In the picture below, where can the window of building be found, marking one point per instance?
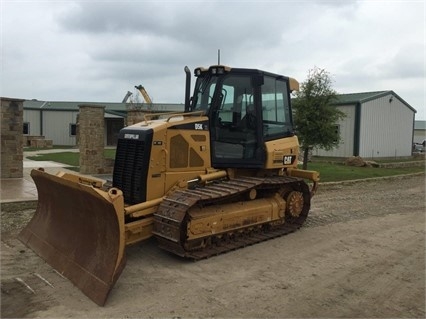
(73, 129)
(336, 133)
(26, 128)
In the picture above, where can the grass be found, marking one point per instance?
(339, 160)
(329, 172)
(69, 158)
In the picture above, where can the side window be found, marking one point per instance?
(73, 129)
(336, 133)
(26, 128)
(236, 99)
(205, 90)
(227, 104)
(276, 109)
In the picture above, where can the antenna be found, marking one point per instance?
(218, 57)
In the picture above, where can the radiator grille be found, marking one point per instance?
(130, 169)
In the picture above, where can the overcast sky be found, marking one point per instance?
(96, 51)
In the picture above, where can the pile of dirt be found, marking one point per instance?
(359, 162)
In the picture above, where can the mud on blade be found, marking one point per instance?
(78, 230)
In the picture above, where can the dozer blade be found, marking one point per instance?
(78, 230)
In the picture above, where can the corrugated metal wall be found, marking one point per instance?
(386, 128)
(419, 136)
(33, 118)
(347, 128)
(56, 118)
(56, 126)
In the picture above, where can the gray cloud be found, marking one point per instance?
(407, 63)
(97, 50)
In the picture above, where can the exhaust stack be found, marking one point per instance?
(187, 90)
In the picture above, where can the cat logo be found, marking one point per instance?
(288, 159)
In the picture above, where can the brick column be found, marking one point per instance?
(91, 139)
(134, 116)
(12, 154)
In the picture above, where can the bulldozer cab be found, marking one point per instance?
(246, 108)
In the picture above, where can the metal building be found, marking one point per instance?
(419, 131)
(377, 125)
(57, 121)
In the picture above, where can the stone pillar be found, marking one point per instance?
(12, 153)
(134, 116)
(77, 130)
(91, 139)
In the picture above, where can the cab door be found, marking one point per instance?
(236, 123)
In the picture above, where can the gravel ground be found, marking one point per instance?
(361, 253)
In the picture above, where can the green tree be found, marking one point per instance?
(315, 116)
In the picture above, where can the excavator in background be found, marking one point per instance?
(144, 94)
(219, 176)
(126, 97)
(142, 90)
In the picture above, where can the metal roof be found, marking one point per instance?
(420, 125)
(353, 98)
(121, 108)
(111, 108)
(362, 97)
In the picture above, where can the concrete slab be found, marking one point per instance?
(37, 164)
(17, 190)
(24, 189)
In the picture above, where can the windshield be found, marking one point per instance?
(203, 95)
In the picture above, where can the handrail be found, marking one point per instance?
(148, 117)
(200, 113)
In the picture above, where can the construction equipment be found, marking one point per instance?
(144, 94)
(126, 97)
(218, 176)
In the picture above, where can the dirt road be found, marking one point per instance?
(361, 254)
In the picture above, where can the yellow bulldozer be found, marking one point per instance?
(219, 176)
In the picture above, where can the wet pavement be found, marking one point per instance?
(17, 190)
(24, 189)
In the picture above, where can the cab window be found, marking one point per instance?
(234, 122)
(276, 109)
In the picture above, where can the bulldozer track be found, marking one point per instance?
(171, 217)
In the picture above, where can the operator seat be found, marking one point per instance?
(249, 121)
